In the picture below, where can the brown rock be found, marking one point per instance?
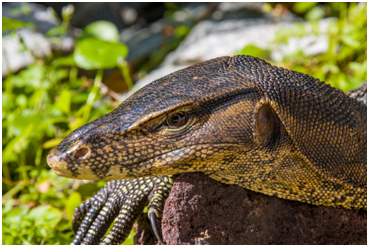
(200, 210)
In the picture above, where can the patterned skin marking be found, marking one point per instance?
(241, 121)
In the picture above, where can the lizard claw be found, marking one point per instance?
(116, 200)
(122, 201)
(157, 197)
(153, 216)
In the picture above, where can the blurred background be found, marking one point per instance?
(66, 64)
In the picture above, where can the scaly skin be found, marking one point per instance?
(122, 200)
(264, 128)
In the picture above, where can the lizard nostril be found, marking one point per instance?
(81, 152)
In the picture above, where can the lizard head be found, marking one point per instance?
(196, 119)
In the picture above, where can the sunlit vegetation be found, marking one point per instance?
(48, 99)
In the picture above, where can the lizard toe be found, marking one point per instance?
(153, 221)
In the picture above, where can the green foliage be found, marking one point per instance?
(27, 226)
(182, 31)
(253, 50)
(50, 98)
(42, 104)
(99, 48)
(344, 65)
(38, 217)
(94, 53)
(11, 24)
(312, 10)
(103, 30)
(303, 7)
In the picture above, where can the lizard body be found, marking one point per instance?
(238, 120)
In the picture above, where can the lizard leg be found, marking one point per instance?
(122, 200)
(133, 206)
(88, 211)
(160, 193)
(117, 197)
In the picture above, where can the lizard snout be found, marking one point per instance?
(65, 163)
(56, 162)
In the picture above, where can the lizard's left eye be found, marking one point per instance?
(177, 119)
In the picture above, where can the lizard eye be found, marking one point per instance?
(177, 119)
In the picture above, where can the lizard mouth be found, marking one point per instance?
(168, 163)
(58, 166)
(63, 173)
(162, 164)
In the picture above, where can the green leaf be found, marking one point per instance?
(12, 24)
(21, 100)
(353, 83)
(27, 117)
(330, 68)
(23, 168)
(303, 7)
(350, 41)
(46, 216)
(359, 69)
(103, 30)
(93, 53)
(130, 238)
(15, 145)
(14, 218)
(64, 61)
(73, 201)
(182, 31)
(64, 101)
(31, 76)
(56, 31)
(7, 101)
(316, 13)
(51, 143)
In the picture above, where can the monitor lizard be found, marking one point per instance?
(239, 120)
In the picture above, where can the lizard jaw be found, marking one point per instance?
(59, 166)
(56, 162)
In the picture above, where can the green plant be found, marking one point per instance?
(53, 96)
(41, 105)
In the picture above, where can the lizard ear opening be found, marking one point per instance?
(265, 122)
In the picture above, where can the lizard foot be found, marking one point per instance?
(122, 201)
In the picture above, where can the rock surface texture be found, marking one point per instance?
(200, 210)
